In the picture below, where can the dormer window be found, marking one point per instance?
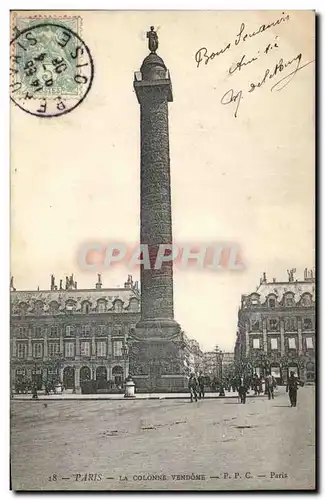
(54, 306)
(272, 302)
(118, 306)
(254, 300)
(38, 307)
(101, 306)
(134, 304)
(70, 305)
(85, 307)
(306, 300)
(289, 300)
(23, 308)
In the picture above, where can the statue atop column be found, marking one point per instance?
(152, 39)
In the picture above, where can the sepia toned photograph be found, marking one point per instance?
(163, 280)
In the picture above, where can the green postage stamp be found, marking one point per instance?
(51, 68)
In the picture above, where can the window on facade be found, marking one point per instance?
(70, 305)
(118, 306)
(309, 343)
(53, 349)
(37, 331)
(54, 331)
(101, 329)
(255, 325)
(273, 324)
(274, 344)
(306, 300)
(69, 350)
(23, 330)
(101, 306)
(289, 301)
(117, 348)
(68, 330)
(85, 308)
(38, 307)
(292, 343)
(134, 306)
(85, 329)
(307, 324)
(37, 350)
(101, 349)
(54, 306)
(85, 348)
(290, 324)
(23, 308)
(271, 302)
(256, 343)
(21, 350)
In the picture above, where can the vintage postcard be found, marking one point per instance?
(162, 323)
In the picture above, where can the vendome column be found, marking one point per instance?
(158, 362)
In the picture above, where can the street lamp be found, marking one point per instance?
(219, 358)
(125, 352)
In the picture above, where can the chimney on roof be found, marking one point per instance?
(305, 274)
(99, 282)
(129, 282)
(52, 282)
(264, 278)
(75, 285)
(12, 287)
(61, 286)
(274, 280)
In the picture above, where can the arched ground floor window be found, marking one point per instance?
(85, 373)
(117, 374)
(310, 372)
(68, 377)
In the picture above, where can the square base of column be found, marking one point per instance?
(157, 360)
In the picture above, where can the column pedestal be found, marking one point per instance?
(156, 361)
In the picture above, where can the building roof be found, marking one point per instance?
(298, 288)
(76, 296)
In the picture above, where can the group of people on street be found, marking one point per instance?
(196, 387)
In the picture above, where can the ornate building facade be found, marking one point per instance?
(77, 335)
(276, 327)
(73, 334)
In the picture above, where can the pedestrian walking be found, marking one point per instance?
(242, 391)
(269, 385)
(292, 388)
(193, 386)
(34, 392)
(201, 382)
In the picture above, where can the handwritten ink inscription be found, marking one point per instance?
(277, 72)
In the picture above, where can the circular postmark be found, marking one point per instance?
(51, 70)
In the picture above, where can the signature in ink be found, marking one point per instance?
(280, 66)
(232, 96)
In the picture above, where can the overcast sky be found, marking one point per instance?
(249, 179)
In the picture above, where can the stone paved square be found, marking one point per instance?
(225, 445)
